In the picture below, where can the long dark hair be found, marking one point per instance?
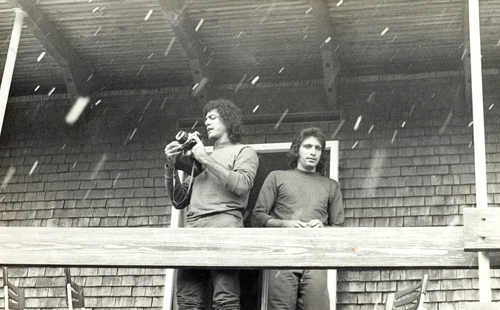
(230, 115)
(293, 154)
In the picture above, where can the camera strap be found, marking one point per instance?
(188, 192)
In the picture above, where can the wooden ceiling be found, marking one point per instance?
(93, 45)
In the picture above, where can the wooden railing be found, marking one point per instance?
(335, 248)
(482, 233)
(482, 229)
(416, 247)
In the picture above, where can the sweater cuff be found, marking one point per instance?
(169, 171)
(261, 219)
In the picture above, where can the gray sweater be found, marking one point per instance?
(211, 196)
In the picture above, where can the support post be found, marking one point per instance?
(479, 140)
(177, 219)
(5, 288)
(466, 56)
(10, 63)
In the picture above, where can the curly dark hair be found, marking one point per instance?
(293, 154)
(230, 115)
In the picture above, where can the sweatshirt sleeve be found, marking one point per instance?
(265, 202)
(178, 194)
(240, 179)
(336, 214)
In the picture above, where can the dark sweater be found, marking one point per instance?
(299, 195)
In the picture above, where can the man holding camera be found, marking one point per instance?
(217, 198)
(300, 198)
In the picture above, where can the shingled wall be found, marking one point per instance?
(406, 159)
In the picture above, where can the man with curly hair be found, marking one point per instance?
(300, 198)
(218, 198)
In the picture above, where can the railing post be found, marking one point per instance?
(5, 288)
(176, 221)
(479, 140)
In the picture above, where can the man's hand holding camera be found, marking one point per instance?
(198, 150)
(190, 144)
(171, 151)
(185, 142)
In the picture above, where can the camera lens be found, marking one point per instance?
(181, 137)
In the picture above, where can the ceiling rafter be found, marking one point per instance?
(328, 44)
(78, 76)
(197, 52)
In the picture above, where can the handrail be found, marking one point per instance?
(389, 247)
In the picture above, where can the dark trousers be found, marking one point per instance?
(192, 284)
(298, 289)
(192, 287)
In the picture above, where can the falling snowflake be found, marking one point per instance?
(199, 25)
(97, 31)
(281, 119)
(169, 46)
(338, 128)
(240, 83)
(358, 122)
(33, 167)
(148, 15)
(199, 86)
(394, 136)
(8, 176)
(77, 109)
(42, 54)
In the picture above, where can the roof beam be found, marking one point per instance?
(193, 45)
(10, 63)
(328, 43)
(75, 72)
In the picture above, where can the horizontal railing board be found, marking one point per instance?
(482, 229)
(413, 247)
(479, 306)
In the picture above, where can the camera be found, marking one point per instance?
(185, 161)
(186, 139)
